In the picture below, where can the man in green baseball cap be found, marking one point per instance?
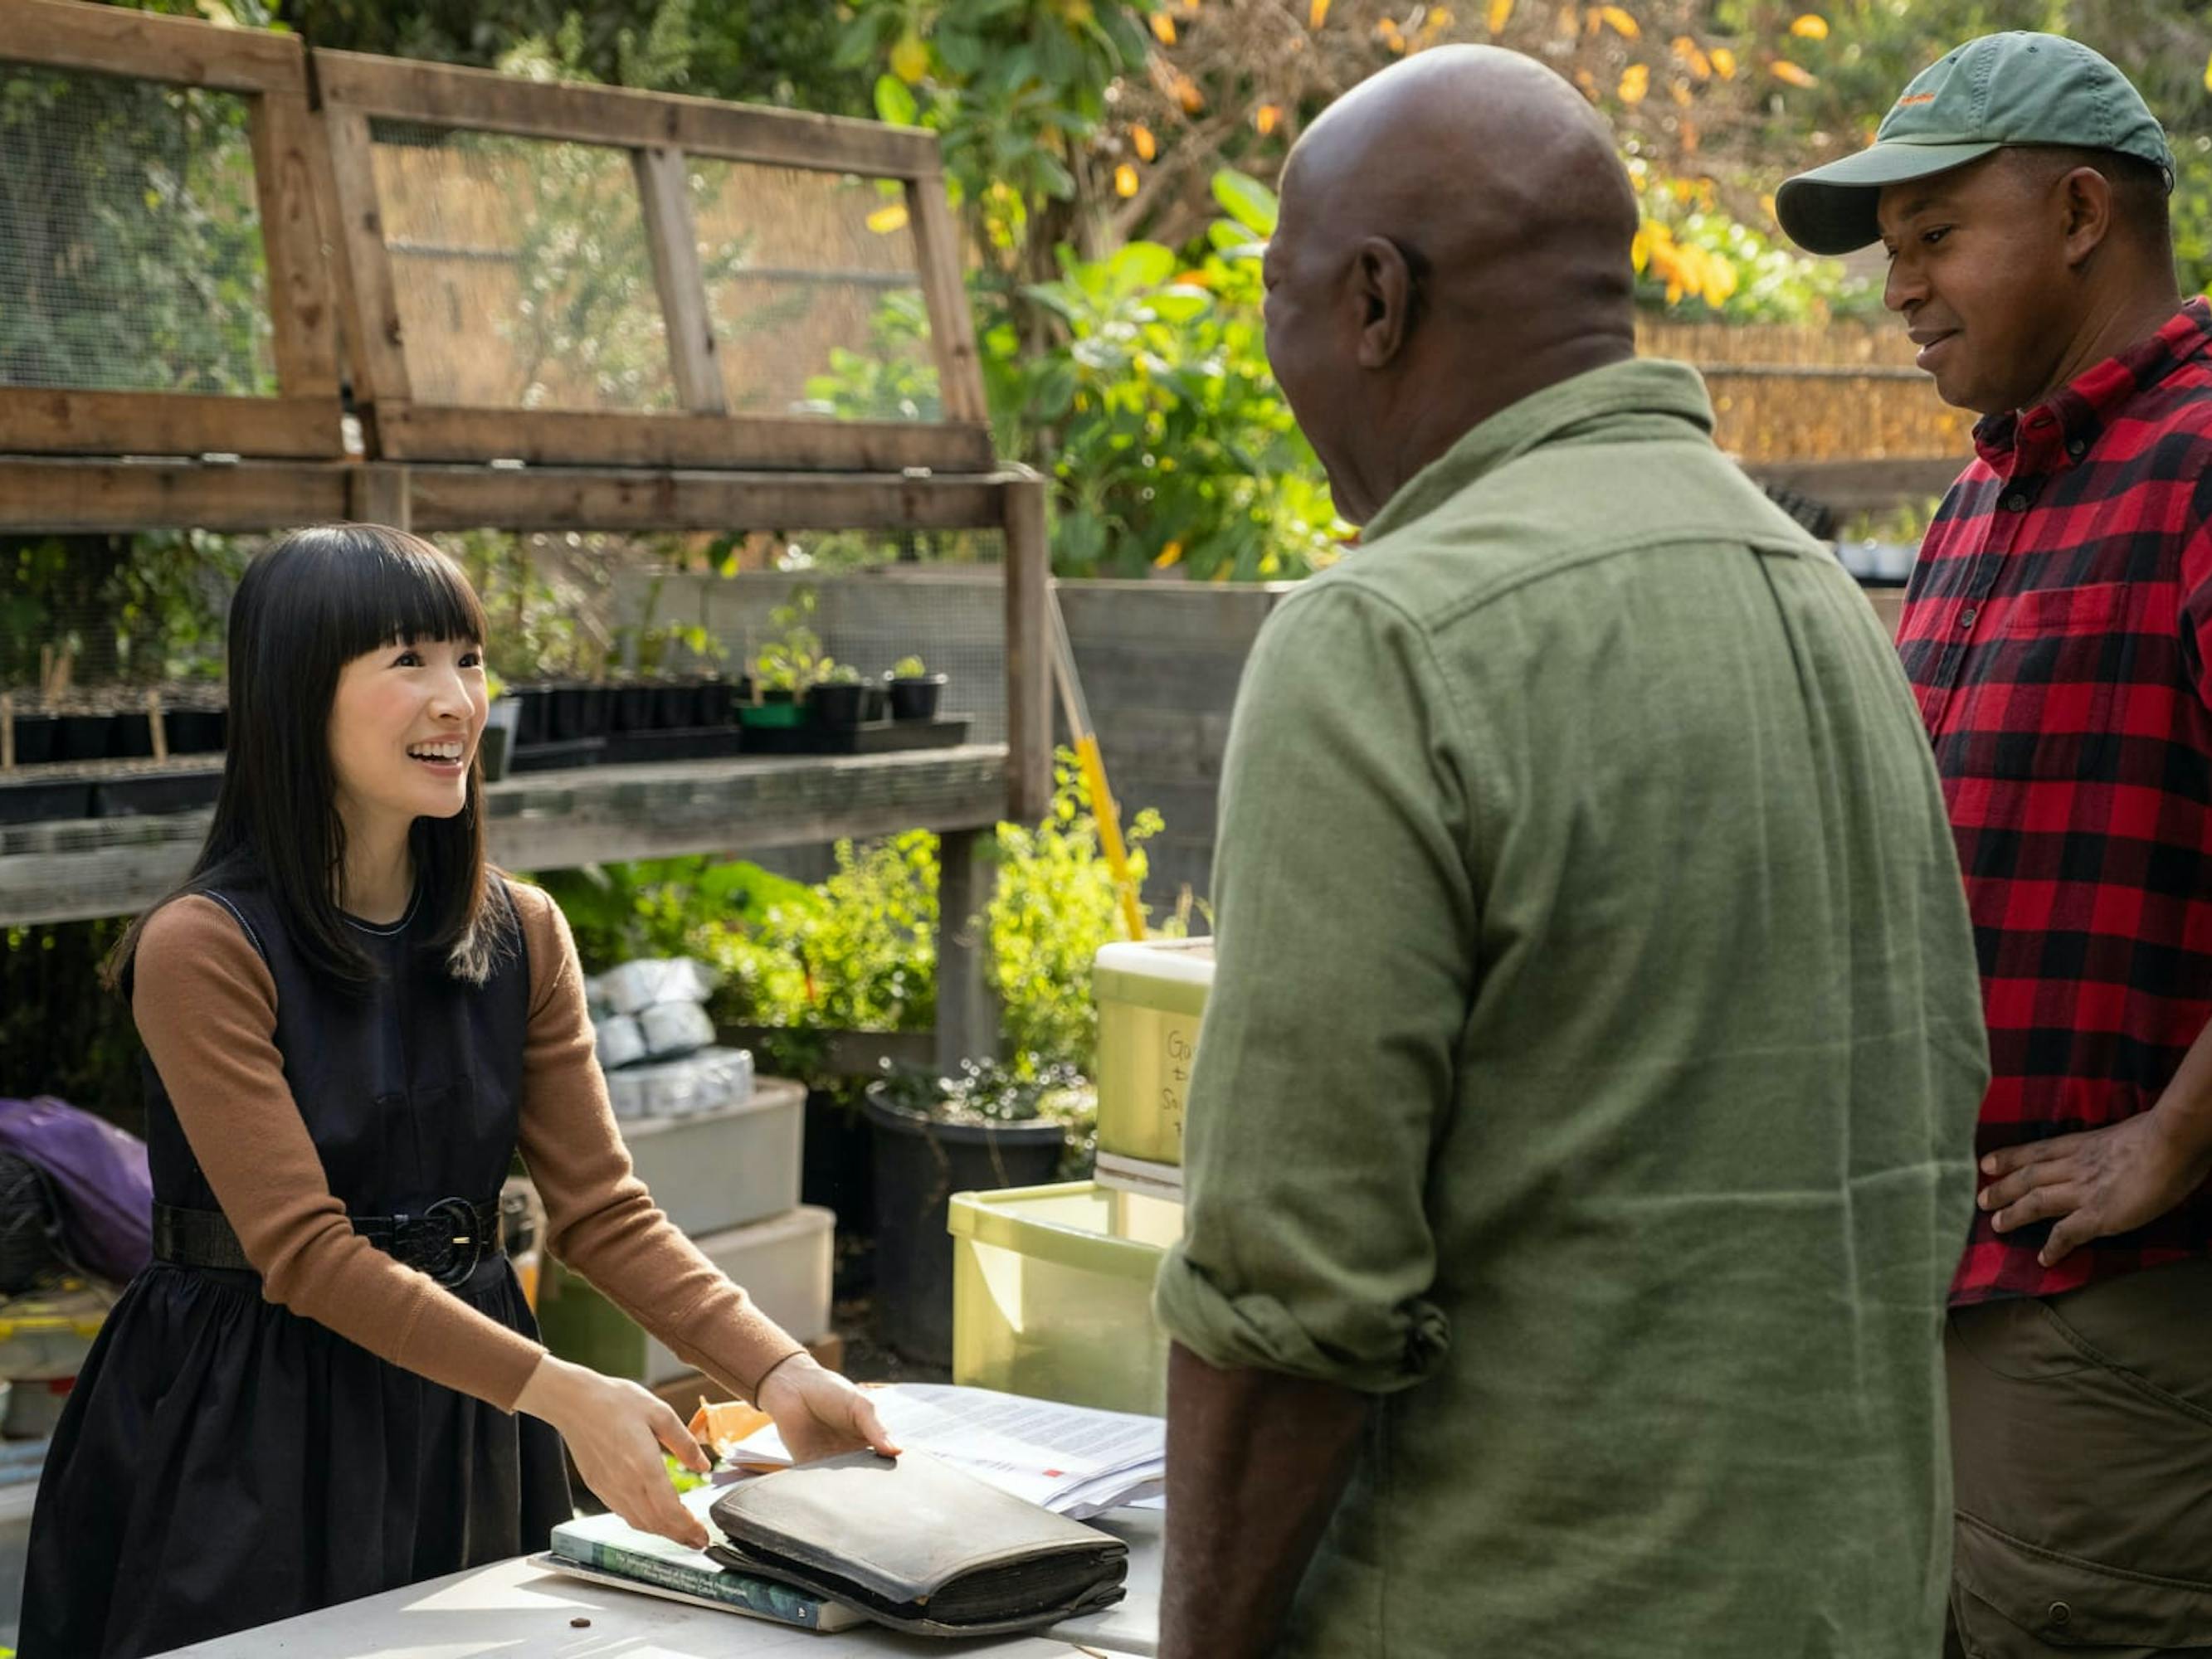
(2002, 90)
(2057, 634)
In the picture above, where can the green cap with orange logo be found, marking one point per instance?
(2003, 89)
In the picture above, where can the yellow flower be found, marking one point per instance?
(1501, 12)
(886, 220)
(1163, 28)
(1786, 70)
(1810, 28)
(1691, 53)
(1618, 21)
(1265, 118)
(910, 58)
(1635, 81)
(1173, 551)
(1125, 180)
(1723, 62)
(1316, 15)
(1140, 136)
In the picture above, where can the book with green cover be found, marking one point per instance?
(605, 1548)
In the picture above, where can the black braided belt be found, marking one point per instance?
(447, 1240)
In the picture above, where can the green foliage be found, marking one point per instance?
(894, 379)
(909, 668)
(1054, 905)
(1698, 265)
(858, 951)
(1169, 443)
(793, 660)
(1015, 89)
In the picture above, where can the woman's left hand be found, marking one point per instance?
(818, 1413)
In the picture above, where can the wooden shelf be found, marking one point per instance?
(84, 868)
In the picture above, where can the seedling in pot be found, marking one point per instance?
(915, 692)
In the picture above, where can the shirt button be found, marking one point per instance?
(2017, 501)
(2078, 448)
(1967, 617)
(2060, 1613)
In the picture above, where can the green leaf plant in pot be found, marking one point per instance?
(992, 1126)
(786, 668)
(915, 692)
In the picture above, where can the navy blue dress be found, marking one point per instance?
(224, 1462)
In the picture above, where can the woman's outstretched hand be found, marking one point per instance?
(818, 1413)
(616, 1432)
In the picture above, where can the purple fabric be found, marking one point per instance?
(99, 1172)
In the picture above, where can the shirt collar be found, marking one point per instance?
(2059, 431)
(1667, 396)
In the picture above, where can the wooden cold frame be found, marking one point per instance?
(661, 132)
(270, 72)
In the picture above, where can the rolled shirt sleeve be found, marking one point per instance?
(1345, 966)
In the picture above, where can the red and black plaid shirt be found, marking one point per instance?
(2058, 633)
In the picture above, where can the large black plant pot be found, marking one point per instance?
(919, 1164)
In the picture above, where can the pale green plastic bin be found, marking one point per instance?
(1052, 1294)
(1152, 997)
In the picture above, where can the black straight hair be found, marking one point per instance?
(306, 607)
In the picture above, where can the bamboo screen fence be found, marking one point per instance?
(1839, 391)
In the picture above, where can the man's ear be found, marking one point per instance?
(1382, 288)
(2084, 203)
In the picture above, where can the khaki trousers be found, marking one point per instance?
(2081, 1444)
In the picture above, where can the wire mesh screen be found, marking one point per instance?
(952, 614)
(130, 255)
(522, 271)
(814, 289)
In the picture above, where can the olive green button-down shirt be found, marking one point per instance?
(1591, 1068)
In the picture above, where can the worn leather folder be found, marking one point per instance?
(918, 1545)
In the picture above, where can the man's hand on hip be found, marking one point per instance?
(2098, 1183)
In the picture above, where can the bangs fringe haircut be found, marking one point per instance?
(306, 607)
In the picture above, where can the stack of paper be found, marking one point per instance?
(1072, 1459)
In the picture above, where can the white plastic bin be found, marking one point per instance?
(783, 1263)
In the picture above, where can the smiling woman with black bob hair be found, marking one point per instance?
(328, 1383)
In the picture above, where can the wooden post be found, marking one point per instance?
(674, 241)
(378, 494)
(373, 332)
(303, 301)
(1028, 652)
(945, 291)
(967, 1012)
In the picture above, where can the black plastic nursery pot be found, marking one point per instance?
(917, 699)
(632, 706)
(35, 739)
(193, 731)
(535, 708)
(710, 702)
(674, 704)
(919, 1163)
(839, 706)
(130, 735)
(81, 737)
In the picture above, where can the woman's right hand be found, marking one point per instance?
(615, 1432)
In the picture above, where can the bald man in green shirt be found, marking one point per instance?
(1580, 1141)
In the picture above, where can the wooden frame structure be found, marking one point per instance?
(81, 461)
(270, 71)
(661, 134)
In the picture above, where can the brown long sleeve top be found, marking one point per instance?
(206, 1006)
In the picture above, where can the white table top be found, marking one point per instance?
(513, 1609)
